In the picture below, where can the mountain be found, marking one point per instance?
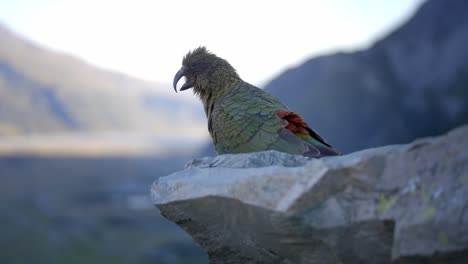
(43, 92)
(412, 83)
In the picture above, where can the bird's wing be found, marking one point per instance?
(249, 119)
(295, 124)
(294, 127)
(246, 122)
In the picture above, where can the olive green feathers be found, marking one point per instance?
(241, 117)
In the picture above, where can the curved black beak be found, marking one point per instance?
(177, 77)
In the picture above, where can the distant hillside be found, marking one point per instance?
(410, 84)
(42, 91)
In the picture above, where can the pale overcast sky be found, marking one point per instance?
(147, 39)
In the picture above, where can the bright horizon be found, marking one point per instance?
(147, 39)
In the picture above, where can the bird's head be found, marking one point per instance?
(204, 72)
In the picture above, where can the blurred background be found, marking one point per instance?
(88, 117)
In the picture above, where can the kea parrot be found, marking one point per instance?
(241, 117)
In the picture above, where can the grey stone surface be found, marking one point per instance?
(394, 204)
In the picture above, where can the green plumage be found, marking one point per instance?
(241, 117)
(244, 121)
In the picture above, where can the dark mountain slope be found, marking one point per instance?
(410, 84)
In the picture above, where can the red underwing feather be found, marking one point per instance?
(296, 124)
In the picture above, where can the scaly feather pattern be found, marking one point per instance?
(243, 118)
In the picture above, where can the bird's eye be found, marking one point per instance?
(193, 65)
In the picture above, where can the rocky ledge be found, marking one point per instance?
(394, 204)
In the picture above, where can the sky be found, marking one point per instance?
(147, 39)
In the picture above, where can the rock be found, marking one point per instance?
(394, 204)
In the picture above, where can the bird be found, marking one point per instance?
(241, 117)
